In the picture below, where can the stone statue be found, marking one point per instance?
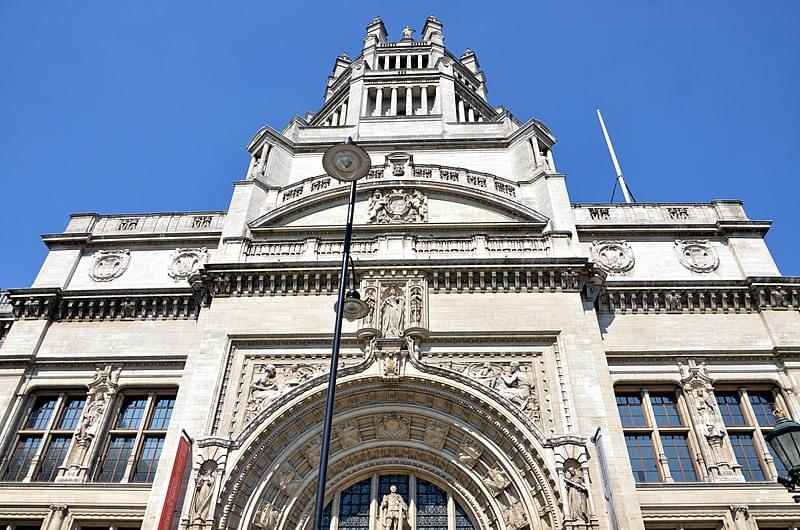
(267, 517)
(419, 206)
(203, 491)
(263, 390)
(393, 313)
(349, 434)
(514, 385)
(377, 208)
(394, 510)
(514, 515)
(408, 33)
(298, 374)
(370, 301)
(496, 481)
(90, 422)
(706, 411)
(577, 492)
(415, 307)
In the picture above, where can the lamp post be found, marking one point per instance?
(785, 442)
(345, 162)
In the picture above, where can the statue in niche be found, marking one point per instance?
(514, 385)
(706, 410)
(415, 307)
(514, 514)
(369, 318)
(577, 492)
(263, 390)
(90, 422)
(267, 517)
(203, 491)
(394, 510)
(393, 312)
(496, 481)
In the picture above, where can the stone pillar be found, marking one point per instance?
(461, 115)
(471, 114)
(378, 102)
(408, 61)
(365, 103)
(423, 95)
(343, 113)
(437, 104)
(409, 98)
(57, 514)
(387, 58)
(393, 103)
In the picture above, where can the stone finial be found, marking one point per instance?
(408, 32)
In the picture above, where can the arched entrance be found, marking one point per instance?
(439, 433)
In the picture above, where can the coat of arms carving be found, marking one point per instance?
(613, 256)
(697, 255)
(109, 264)
(186, 261)
(398, 206)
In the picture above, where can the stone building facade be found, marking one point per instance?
(527, 363)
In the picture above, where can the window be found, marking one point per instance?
(654, 422)
(45, 436)
(136, 438)
(748, 415)
(429, 505)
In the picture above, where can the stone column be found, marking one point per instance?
(471, 114)
(343, 113)
(393, 103)
(365, 103)
(57, 514)
(378, 102)
(437, 104)
(461, 116)
(409, 98)
(388, 59)
(408, 61)
(423, 95)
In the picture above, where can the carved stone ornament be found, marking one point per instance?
(268, 384)
(613, 256)
(312, 450)
(496, 481)
(697, 255)
(288, 479)
(469, 452)
(514, 514)
(349, 434)
(510, 381)
(186, 261)
(203, 491)
(398, 206)
(435, 434)
(393, 426)
(267, 517)
(109, 264)
(577, 492)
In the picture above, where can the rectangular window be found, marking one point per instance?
(630, 410)
(763, 404)
(162, 413)
(679, 458)
(130, 415)
(53, 458)
(40, 415)
(119, 450)
(643, 460)
(747, 456)
(730, 409)
(148, 461)
(665, 409)
(21, 457)
(72, 413)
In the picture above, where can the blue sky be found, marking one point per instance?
(147, 106)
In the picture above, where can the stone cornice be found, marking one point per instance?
(720, 228)
(779, 293)
(104, 305)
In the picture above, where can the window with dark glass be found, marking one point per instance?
(431, 506)
(44, 437)
(654, 423)
(134, 444)
(747, 456)
(354, 506)
(730, 409)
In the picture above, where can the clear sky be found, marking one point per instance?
(146, 106)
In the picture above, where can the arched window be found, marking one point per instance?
(429, 506)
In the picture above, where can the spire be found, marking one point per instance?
(432, 30)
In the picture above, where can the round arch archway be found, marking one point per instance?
(446, 429)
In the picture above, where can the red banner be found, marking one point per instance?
(173, 495)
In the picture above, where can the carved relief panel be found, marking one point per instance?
(398, 306)
(109, 264)
(397, 206)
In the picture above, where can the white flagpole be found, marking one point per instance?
(620, 178)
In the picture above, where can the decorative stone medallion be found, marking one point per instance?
(109, 264)
(186, 261)
(398, 206)
(697, 255)
(613, 256)
(393, 427)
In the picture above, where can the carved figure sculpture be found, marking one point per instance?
(349, 434)
(394, 510)
(369, 318)
(435, 434)
(288, 479)
(377, 208)
(514, 515)
(90, 421)
(203, 491)
(263, 390)
(398, 206)
(267, 517)
(393, 312)
(469, 452)
(496, 481)
(577, 492)
(672, 300)
(514, 385)
(415, 307)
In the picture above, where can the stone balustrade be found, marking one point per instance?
(149, 223)
(647, 214)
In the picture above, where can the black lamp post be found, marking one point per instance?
(785, 442)
(345, 162)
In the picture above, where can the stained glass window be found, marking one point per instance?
(431, 506)
(354, 506)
